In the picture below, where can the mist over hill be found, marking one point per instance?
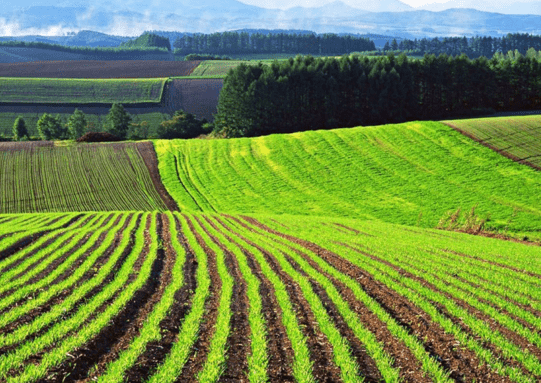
(132, 17)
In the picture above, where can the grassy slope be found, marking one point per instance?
(410, 173)
(75, 178)
(516, 136)
(80, 91)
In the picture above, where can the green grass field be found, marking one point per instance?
(80, 91)
(516, 136)
(411, 173)
(215, 68)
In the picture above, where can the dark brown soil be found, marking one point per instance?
(195, 362)
(137, 310)
(57, 262)
(94, 352)
(29, 317)
(147, 152)
(461, 362)
(366, 364)
(238, 342)
(459, 322)
(98, 69)
(29, 146)
(157, 351)
(279, 347)
(321, 352)
(495, 326)
(236, 369)
(27, 241)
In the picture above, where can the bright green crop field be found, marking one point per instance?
(518, 136)
(307, 257)
(411, 173)
(80, 91)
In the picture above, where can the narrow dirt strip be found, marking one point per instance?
(236, 369)
(279, 345)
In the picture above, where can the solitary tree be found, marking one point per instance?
(50, 127)
(118, 121)
(19, 129)
(77, 124)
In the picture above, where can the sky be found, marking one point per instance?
(284, 4)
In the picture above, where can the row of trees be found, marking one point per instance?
(324, 93)
(101, 52)
(238, 43)
(118, 123)
(473, 47)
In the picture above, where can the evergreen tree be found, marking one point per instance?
(77, 124)
(118, 121)
(19, 129)
(50, 128)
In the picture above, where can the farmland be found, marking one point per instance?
(165, 297)
(515, 137)
(39, 177)
(81, 91)
(98, 69)
(410, 173)
(307, 257)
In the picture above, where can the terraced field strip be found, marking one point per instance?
(80, 91)
(85, 177)
(412, 173)
(216, 68)
(515, 137)
(166, 297)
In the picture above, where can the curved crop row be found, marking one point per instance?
(334, 294)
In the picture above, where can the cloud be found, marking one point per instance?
(13, 28)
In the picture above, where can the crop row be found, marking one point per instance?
(76, 178)
(172, 297)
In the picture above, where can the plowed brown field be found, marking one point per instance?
(99, 69)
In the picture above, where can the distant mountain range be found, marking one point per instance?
(132, 17)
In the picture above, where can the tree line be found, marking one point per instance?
(238, 43)
(118, 123)
(473, 47)
(101, 52)
(308, 93)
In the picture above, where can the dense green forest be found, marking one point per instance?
(473, 47)
(308, 93)
(235, 43)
